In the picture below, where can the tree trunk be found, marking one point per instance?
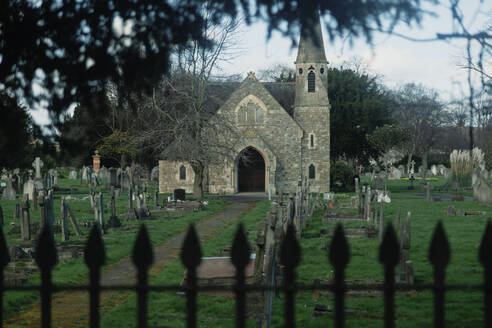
(199, 170)
(424, 160)
(123, 161)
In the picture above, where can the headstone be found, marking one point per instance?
(125, 181)
(9, 191)
(112, 177)
(29, 189)
(37, 164)
(451, 211)
(65, 234)
(25, 219)
(379, 182)
(72, 175)
(434, 170)
(179, 194)
(113, 221)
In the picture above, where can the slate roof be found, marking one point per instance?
(283, 92)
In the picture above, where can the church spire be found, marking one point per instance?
(311, 47)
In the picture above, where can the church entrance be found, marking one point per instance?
(251, 171)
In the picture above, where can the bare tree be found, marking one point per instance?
(422, 113)
(182, 124)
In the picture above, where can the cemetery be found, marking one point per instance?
(71, 206)
(154, 173)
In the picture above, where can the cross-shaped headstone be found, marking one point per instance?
(37, 164)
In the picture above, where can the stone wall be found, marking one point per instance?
(169, 177)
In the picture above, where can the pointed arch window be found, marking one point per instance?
(182, 172)
(312, 172)
(311, 82)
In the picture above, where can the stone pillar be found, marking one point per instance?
(368, 203)
(42, 212)
(96, 161)
(101, 209)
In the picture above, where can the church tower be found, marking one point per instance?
(312, 107)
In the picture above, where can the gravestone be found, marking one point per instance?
(113, 221)
(72, 175)
(29, 189)
(37, 164)
(101, 211)
(434, 170)
(112, 177)
(482, 187)
(65, 234)
(9, 191)
(125, 181)
(451, 211)
(379, 182)
(25, 219)
(179, 194)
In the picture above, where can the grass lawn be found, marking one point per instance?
(413, 309)
(118, 242)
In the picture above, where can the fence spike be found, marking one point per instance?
(485, 257)
(142, 257)
(389, 252)
(290, 251)
(339, 255)
(94, 256)
(191, 256)
(240, 254)
(240, 257)
(389, 256)
(46, 256)
(339, 249)
(46, 259)
(439, 252)
(290, 256)
(439, 255)
(485, 251)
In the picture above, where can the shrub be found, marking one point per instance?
(342, 177)
(462, 165)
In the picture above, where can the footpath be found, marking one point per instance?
(71, 309)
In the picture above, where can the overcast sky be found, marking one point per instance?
(434, 64)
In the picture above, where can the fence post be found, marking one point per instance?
(240, 257)
(485, 257)
(290, 256)
(94, 256)
(389, 256)
(142, 258)
(46, 260)
(439, 255)
(4, 260)
(191, 256)
(339, 256)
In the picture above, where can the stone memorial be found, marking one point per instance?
(29, 189)
(72, 175)
(8, 192)
(25, 223)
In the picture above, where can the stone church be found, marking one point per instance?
(284, 129)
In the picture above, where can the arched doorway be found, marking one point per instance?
(251, 171)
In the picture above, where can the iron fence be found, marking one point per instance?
(290, 255)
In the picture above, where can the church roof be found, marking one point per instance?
(311, 48)
(283, 92)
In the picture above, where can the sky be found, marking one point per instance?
(397, 60)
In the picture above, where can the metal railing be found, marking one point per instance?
(290, 255)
